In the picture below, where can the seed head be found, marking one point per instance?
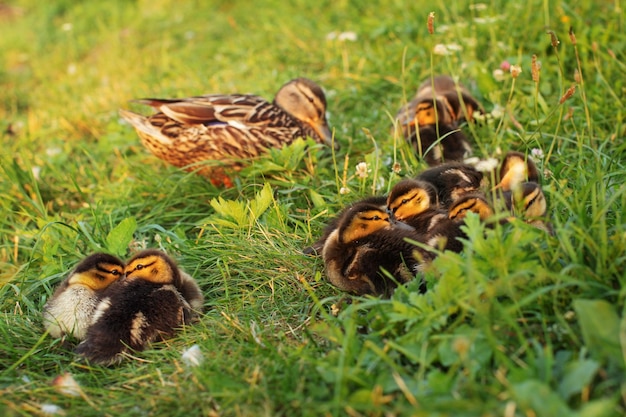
(553, 39)
(572, 36)
(570, 92)
(431, 23)
(535, 68)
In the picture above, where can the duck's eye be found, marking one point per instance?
(405, 200)
(115, 272)
(376, 218)
(138, 267)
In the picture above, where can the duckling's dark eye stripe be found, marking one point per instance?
(532, 200)
(105, 270)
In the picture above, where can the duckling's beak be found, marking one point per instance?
(396, 224)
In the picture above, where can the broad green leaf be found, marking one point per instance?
(262, 201)
(601, 329)
(536, 396)
(121, 235)
(577, 376)
(317, 199)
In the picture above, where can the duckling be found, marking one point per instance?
(364, 243)
(439, 143)
(70, 310)
(437, 102)
(144, 307)
(415, 203)
(470, 202)
(316, 248)
(190, 290)
(229, 129)
(515, 169)
(452, 180)
(527, 201)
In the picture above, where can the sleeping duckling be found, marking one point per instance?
(528, 202)
(144, 307)
(365, 242)
(440, 143)
(515, 169)
(316, 248)
(475, 202)
(414, 202)
(452, 180)
(437, 102)
(70, 310)
(228, 129)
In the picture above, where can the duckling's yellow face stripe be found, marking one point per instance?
(535, 204)
(411, 203)
(364, 224)
(475, 205)
(516, 172)
(150, 268)
(99, 277)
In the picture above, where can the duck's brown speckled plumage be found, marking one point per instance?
(217, 130)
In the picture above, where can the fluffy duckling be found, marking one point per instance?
(414, 202)
(452, 180)
(191, 292)
(228, 129)
(475, 202)
(144, 307)
(365, 242)
(70, 310)
(528, 202)
(440, 143)
(439, 100)
(516, 169)
(316, 248)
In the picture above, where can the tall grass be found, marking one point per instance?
(519, 324)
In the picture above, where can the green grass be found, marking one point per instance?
(520, 324)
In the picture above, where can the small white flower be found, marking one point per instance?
(71, 69)
(478, 6)
(361, 170)
(498, 74)
(440, 49)
(344, 190)
(487, 165)
(66, 27)
(51, 409)
(36, 170)
(347, 36)
(67, 385)
(454, 47)
(331, 36)
(53, 151)
(536, 153)
(516, 70)
(193, 356)
(472, 160)
(497, 112)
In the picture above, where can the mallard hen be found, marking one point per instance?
(230, 129)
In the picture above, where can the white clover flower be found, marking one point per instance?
(478, 6)
(498, 74)
(440, 49)
(497, 112)
(347, 36)
(454, 47)
(331, 36)
(361, 170)
(36, 170)
(51, 410)
(67, 27)
(344, 190)
(71, 69)
(193, 356)
(53, 151)
(536, 153)
(487, 165)
(516, 70)
(67, 385)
